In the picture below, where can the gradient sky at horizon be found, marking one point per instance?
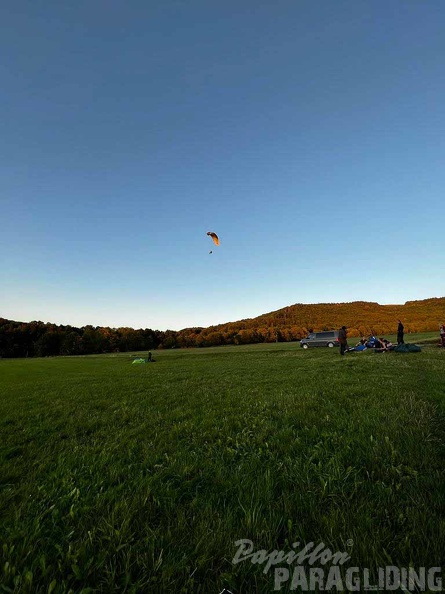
(310, 135)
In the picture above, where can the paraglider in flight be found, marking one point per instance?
(214, 236)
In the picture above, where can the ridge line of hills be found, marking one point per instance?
(294, 321)
(28, 339)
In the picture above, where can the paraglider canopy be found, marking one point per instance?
(214, 236)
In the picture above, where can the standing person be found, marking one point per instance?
(442, 334)
(342, 339)
(400, 333)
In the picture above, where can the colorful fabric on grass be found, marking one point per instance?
(407, 348)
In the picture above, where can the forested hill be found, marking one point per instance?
(21, 339)
(295, 321)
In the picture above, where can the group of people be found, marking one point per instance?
(378, 344)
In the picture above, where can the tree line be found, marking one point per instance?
(39, 339)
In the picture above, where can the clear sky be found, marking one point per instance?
(310, 135)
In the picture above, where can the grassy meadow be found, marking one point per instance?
(140, 478)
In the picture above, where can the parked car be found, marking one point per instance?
(320, 339)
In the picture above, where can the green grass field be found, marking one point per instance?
(140, 478)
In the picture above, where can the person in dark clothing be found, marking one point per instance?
(342, 339)
(400, 333)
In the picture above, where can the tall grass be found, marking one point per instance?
(140, 478)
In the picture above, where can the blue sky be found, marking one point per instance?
(310, 135)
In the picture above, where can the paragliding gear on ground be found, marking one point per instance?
(137, 361)
(373, 342)
(407, 348)
(360, 347)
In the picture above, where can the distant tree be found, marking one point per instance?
(71, 344)
(48, 345)
(169, 340)
(92, 341)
